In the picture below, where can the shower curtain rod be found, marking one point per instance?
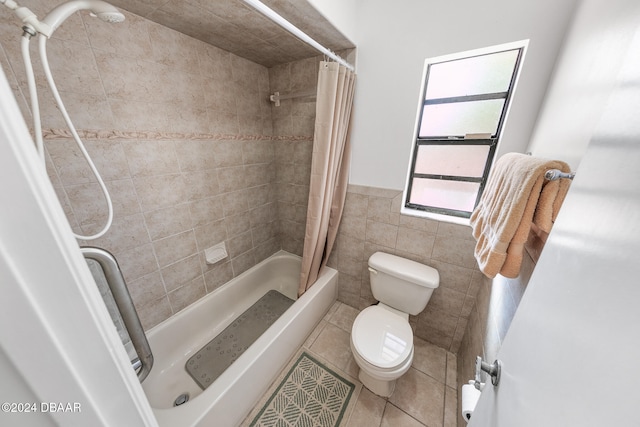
(275, 17)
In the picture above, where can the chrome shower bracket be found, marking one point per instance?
(493, 370)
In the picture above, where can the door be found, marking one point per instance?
(572, 354)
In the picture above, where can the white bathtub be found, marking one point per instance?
(232, 396)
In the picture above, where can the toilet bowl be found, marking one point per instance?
(381, 337)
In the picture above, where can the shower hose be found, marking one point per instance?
(37, 126)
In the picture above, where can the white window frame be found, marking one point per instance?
(522, 45)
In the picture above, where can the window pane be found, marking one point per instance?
(452, 160)
(461, 118)
(472, 76)
(456, 195)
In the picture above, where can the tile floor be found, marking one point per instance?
(424, 396)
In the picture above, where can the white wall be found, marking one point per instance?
(583, 80)
(393, 40)
(343, 14)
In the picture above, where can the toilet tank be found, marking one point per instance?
(401, 283)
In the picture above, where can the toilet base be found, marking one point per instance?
(376, 386)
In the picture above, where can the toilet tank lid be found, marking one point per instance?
(405, 269)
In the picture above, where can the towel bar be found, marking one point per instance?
(553, 174)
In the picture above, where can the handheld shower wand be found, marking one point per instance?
(98, 8)
(60, 13)
(46, 27)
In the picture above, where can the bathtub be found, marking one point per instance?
(232, 396)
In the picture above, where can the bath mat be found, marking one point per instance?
(215, 357)
(310, 395)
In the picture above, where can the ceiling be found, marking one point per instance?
(236, 27)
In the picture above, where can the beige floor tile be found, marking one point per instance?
(333, 345)
(368, 410)
(452, 370)
(332, 310)
(450, 407)
(420, 396)
(314, 334)
(430, 359)
(394, 417)
(344, 317)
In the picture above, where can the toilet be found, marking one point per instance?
(381, 337)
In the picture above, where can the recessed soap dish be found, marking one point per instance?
(215, 253)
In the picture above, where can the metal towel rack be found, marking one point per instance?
(118, 287)
(553, 174)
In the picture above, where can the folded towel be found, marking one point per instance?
(516, 195)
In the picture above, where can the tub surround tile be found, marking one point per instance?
(148, 158)
(88, 111)
(181, 272)
(166, 222)
(152, 312)
(184, 136)
(123, 197)
(105, 38)
(171, 249)
(137, 262)
(81, 73)
(146, 288)
(204, 211)
(160, 191)
(211, 234)
(217, 275)
(125, 233)
(236, 224)
(86, 207)
(243, 262)
(201, 184)
(240, 244)
(187, 294)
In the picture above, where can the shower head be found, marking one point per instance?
(99, 8)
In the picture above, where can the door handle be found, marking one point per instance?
(493, 370)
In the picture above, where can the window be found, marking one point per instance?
(461, 115)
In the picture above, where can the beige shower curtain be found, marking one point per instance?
(329, 168)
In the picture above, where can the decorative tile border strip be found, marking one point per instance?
(151, 135)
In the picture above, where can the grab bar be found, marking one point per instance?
(121, 296)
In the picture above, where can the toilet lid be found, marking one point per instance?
(381, 337)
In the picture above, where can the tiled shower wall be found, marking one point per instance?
(182, 134)
(294, 116)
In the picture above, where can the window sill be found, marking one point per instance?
(435, 216)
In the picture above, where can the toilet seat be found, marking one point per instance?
(382, 338)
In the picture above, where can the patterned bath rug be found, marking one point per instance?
(214, 358)
(310, 395)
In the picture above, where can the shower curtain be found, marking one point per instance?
(329, 168)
